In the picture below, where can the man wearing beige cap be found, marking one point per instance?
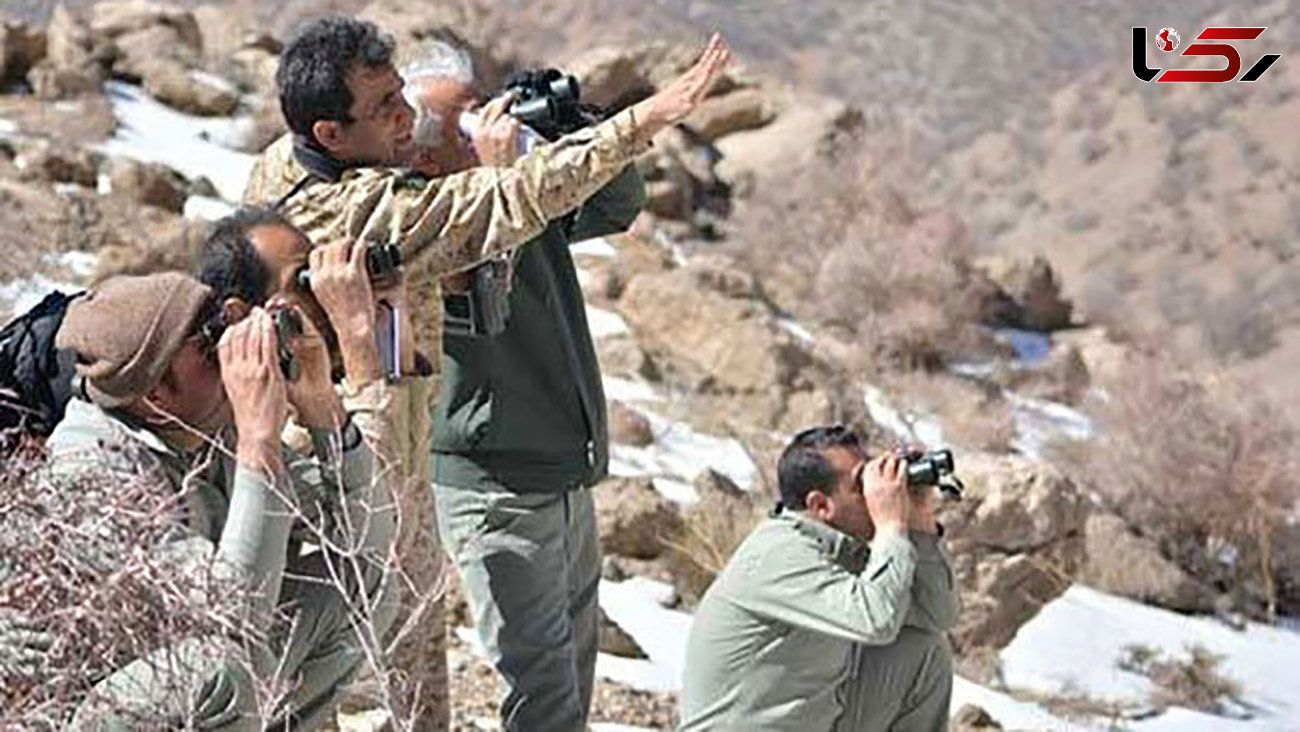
(168, 389)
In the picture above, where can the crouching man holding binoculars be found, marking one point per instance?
(831, 615)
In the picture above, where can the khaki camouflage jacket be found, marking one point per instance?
(450, 224)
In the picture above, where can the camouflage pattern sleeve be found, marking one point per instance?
(451, 224)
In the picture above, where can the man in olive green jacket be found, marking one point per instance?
(160, 400)
(791, 633)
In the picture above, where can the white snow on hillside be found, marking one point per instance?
(194, 146)
(22, 294)
(605, 323)
(1075, 640)
(635, 606)
(597, 247)
(1070, 645)
(680, 453)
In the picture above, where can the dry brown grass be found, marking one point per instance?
(708, 534)
(1207, 469)
(1194, 682)
(837, 246)
(82, 563)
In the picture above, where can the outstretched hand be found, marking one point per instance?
(676, 101)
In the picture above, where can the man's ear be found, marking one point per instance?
(234, 309)
(818, 505)
(330, 134)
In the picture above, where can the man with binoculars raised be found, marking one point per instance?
(831, 615)
(345, 172)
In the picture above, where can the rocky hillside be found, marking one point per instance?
(990, 277)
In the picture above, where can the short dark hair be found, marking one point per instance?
(312, 78)
(228, 262)
(803, 467)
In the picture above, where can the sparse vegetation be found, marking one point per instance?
(708, 535)
(84, 558)
(838, 247)
(1194, 682)
(1204, 467)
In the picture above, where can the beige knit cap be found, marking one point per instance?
(126, 331)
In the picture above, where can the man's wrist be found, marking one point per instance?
(892, 528)
(325, 413)
(361, 362)
(259, 454)
(924, 524)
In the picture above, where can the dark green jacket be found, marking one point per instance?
(526, 409)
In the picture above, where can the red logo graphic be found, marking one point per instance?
(1167, 40)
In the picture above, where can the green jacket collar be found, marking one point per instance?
(845, 550)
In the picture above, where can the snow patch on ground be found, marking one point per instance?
(619, 389)
(204, 208)
(906, 425)
(80, 264)
(1039, 422)
(194, 146)
(598, 247)
(1076, 639)
(795, 329)
(679, 453)
(636, 607)
(25, 293)
(605, 323)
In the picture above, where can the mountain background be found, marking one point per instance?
(962, 224)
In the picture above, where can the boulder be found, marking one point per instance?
(714, 486)
(711, 529)
(807, 128)
(628, 426)
(225, 33)
(188, 90)
(466, 26)
(622, 356)
(153, 184)
(21, 48)
(59, 164)
(76, 60)
(1014, 505)
(166, 242)
(633, 519)
(971, 718)
(1123, 563)
(145, 49)
(615, 641)
(114, 19)
(1028, 295)
(681, 183)
(726, 344)
(742, 109)
(616, 77)
(1006, 592)
(1016, 540)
